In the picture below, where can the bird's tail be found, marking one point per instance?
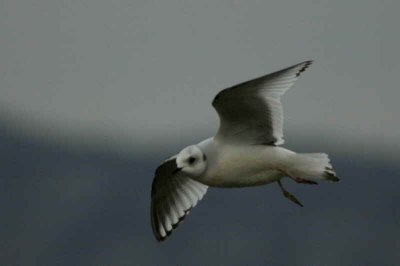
(314, 165)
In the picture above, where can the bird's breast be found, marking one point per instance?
(240, 166)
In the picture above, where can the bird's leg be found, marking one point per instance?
(303, 181)
(300, 180)
(288, 195)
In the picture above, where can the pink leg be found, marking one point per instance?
(303, 181)
(300, 180)
(289, 195)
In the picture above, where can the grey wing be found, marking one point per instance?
(173, 195)
(251, 112)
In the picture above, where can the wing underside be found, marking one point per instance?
(251, 112)
(172, 198)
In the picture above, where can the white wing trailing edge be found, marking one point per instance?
(251, 112)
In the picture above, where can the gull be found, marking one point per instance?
(245, 152)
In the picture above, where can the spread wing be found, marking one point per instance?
(173, 195)
(251, 112)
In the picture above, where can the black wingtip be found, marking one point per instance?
(331, 176)
(306, 64)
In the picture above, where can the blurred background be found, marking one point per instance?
(95, 94)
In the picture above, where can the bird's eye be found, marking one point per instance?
(191, 160)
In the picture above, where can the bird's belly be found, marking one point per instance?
(241, 180)
(241, 166)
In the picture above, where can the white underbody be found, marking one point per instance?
(243, 165)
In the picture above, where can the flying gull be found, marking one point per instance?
(245, 152)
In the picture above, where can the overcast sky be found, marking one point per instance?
(140, 75)
(145, 72)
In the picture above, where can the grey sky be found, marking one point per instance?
(140, 76)
(145, 72)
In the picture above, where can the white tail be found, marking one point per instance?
(315, 165)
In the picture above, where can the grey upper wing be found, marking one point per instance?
(251, 112)
(172, 196)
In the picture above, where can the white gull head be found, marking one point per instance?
(191, 161)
